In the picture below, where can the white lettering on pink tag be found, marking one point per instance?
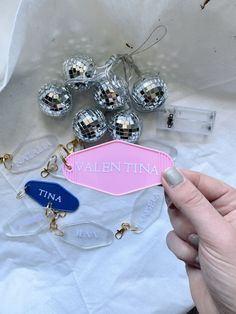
(117, 167)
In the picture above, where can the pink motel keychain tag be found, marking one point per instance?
(116, 167)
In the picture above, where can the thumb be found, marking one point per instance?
(193, 204)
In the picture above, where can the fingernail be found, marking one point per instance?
(193, 239)
(173, 177)
(197, 263)
(168, 200)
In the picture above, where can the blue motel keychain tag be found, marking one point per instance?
(49, 192)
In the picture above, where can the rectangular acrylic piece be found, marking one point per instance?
(187, 120)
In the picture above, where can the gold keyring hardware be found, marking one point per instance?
(73, 144)
(124, 228)
(44, 173)
(4, 159)
(51, 167)
(54, 215)
(59, 147)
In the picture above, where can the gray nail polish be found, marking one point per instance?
(194, 239)
(168, 200)
(173, 177)
(197, 263)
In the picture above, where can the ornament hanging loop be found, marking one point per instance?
(126, 60)
(151, 40)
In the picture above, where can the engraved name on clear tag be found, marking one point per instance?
(147, 208)
(25, 223)
(32, 154)
(87, 235)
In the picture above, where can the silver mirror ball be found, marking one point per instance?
(82, 68)
(149, 93)
(125, 126)
(54, 100)
(89, 125)
(110, 94)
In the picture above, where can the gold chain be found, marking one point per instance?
(54, 215)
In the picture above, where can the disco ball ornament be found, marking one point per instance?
(82, 68)
(89, 125)
(125, 126)
(149, 93)
(54, 100)
(111, 93)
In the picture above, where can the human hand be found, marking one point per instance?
(203, 215)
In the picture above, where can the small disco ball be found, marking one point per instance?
(89, 125)
(81, 68)
(149, 93)
(125, 126)
(54, 100)
(110, 94)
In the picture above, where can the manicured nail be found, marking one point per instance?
(173, 177)
(196, 264)
(193, 239)
(168, 200)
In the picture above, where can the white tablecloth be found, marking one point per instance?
(137, 275)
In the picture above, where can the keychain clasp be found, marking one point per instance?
(73, 144)
(60, 148)
(124, 228)
(54, 215)
(6, 158)
(51, 167)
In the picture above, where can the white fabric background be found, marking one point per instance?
(197, 59)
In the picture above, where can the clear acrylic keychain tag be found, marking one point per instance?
(25, 223)
(60, 202)
(147, 209)
(87, 235)
(84, 235)
(29, 155)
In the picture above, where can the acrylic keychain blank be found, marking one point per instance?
(147, 209)
(29, 155)
(87, 235)
(56, 202)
